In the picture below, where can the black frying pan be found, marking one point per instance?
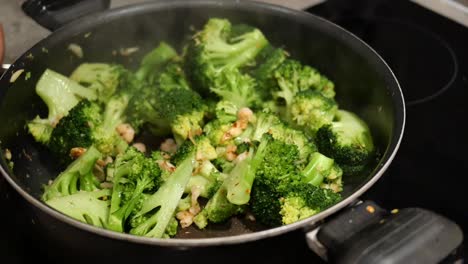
(364, 83)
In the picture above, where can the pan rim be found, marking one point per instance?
(300, 16)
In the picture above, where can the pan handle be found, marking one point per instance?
(366, 233)
(52, 14)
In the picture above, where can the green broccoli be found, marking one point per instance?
(215, 48)
(157, 211)
(218, 209)
(133, 174)
(240, 179)
(310, 110)
(268, 60)
(240, 127)
(78, 176)
(226, 111)
(293, 77)
(225, 116)
(107, 140)
(238, 88)
(172, 76)
(60, 94)
(91, 207)
(319, 167)
(334, 180)
(300, 201)
(281, 193)
(206, 177)
(271, 124)
(178, 110)
(154, 61)
(75, 130)
(87, 125)
(348, 140)
(101, 77)
(232, 196)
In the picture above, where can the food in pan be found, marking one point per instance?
(230, 125)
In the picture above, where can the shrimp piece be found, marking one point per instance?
(126, 132)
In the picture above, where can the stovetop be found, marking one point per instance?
(429, 55)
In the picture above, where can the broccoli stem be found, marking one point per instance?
(89, 182)
(87, 207)
(117, 218)
(319, 166)
(241, 178)
(167, 198)
(60, 93)
(67, 182)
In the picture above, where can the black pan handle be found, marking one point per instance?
(366, 233)
(53, 14)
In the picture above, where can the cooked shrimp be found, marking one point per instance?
(126, 132)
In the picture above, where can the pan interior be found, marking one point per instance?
(363, 83)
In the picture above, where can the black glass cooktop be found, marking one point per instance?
(429, 55)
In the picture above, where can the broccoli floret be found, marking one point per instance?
(226, 115)
(172, 76)
(205, 151)
(133, 174)
(206, 181)
(238, 88)
(334, 181)
(281, 193)
(347, 140)
(91, 207)
(182, 152)
(296, 137)
(178, 110)
(78, 176)
(275, 170)
(294, 202)
(319, 167)
(218, 209)
(154, 61)
(215, 48)
(293, 77)
(268, 60)
(226, 111)
(222, 164)
(101, 77)
(310, 110)
(75, 130)
(188, 125)
(242, 147)
(304, 200)
(271, 124)
(60, 94)
(86, 125)
(264, 121)
(206, 178)
(279, 161)
(241, 177)
(207, 185)
(159, 208)
(233, 195)
(289, 202)
(165, 101)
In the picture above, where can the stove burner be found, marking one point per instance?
(424, 63)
